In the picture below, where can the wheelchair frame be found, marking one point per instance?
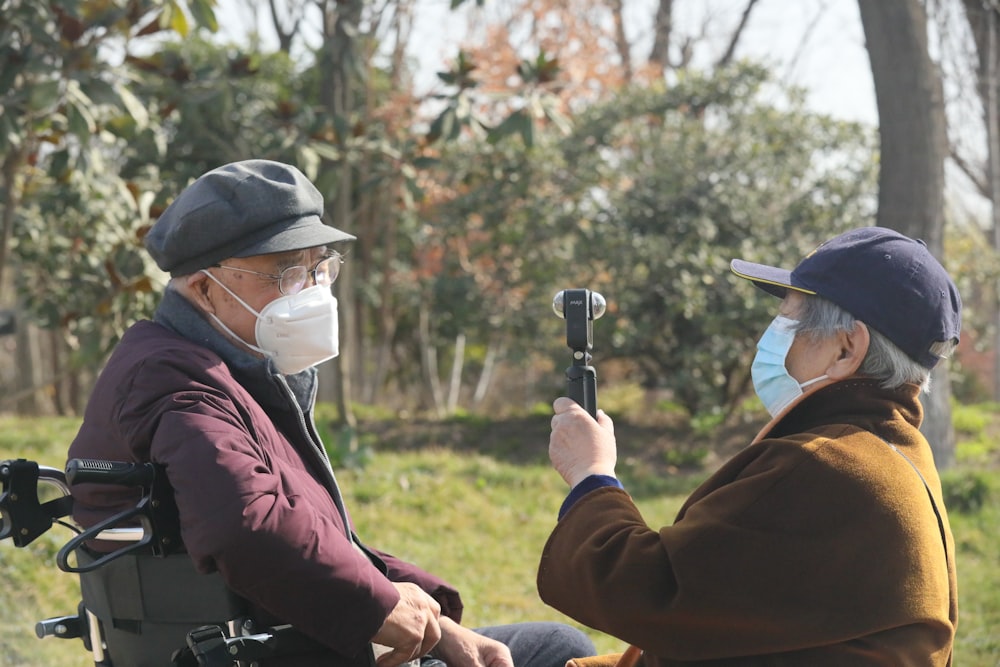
(132, 603)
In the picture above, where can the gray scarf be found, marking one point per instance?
(257, 375)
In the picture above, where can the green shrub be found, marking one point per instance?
(967, 491)
(972, 420)
(706, 422)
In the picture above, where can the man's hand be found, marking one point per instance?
(579, 446)
(412, 628)
(461, 647)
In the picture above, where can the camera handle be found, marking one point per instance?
(580, 307)
(581, 386)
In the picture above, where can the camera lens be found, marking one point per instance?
(597, 304)
(557, 305)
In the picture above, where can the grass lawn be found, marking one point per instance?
(480, 521)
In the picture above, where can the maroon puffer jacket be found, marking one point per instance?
(256, 501)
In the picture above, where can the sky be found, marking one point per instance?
(814, 44)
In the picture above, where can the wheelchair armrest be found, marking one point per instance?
(24, 517)
(95, 533)
(208, 646)
(159, 528)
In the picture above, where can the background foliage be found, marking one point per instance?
(548, 157)
(472, 208)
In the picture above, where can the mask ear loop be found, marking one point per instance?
(222, 324)
(809, 383)
(231, 293)
(790, 325)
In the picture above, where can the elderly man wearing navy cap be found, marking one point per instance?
(219, 389)
(824, 542)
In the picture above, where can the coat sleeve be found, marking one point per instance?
(605, 568)
(445, 594)
(778, 558)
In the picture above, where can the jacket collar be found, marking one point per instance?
(857, 400)
(257, 374)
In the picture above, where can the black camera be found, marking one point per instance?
(580, 307)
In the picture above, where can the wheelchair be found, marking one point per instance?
(143, 603)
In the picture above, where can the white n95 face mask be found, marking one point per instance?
(775, 388)
(296, 331)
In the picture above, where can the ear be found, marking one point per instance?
(196, 288)
(853, 348)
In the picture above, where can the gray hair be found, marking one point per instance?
(820, 318)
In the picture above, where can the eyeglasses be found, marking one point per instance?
(293, 279)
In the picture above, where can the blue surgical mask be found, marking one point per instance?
(774, 386)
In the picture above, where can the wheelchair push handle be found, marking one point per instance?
(79, 471)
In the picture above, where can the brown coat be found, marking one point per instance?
(816, 545)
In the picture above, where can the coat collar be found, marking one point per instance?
(256, 374)
(857, 400)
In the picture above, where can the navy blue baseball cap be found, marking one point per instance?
(887, 280)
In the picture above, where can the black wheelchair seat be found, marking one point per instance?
(146, 605)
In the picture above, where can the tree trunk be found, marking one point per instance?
(30, 397)
(340, 20)
(486, 376)
(12, 163)
(912, 130)
(457, 364)
(429, 361)
(984, 24)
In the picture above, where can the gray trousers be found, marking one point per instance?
(541, 644)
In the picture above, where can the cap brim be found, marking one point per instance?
(769, 278)
(308, 232)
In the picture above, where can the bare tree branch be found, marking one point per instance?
(285, 37)
(621, 43)
(728, 55)
(662, 27)
(402, 28)
(974, 174)
(804, 41)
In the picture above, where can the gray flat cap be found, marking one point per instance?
(253, 207)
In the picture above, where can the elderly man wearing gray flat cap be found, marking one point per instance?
(219, 389)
